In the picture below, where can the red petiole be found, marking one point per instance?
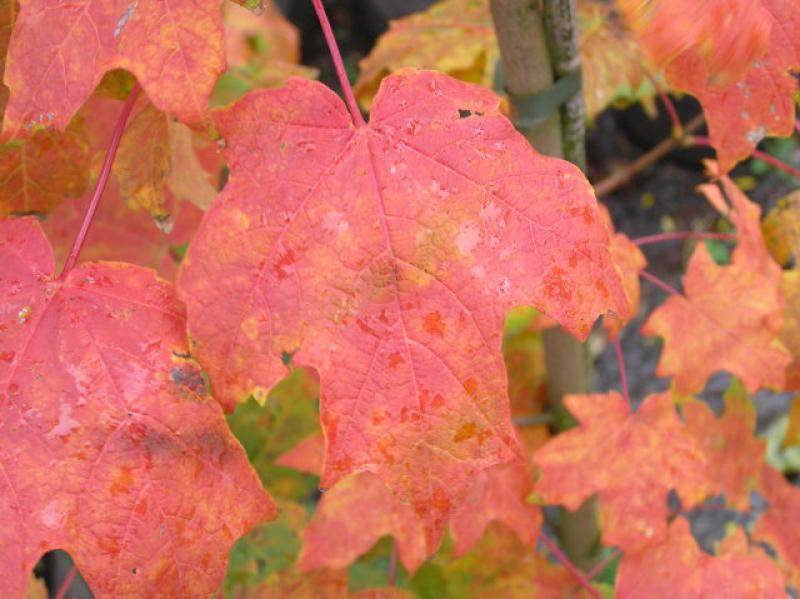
(102, 180)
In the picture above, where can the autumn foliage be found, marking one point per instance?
(293, 330)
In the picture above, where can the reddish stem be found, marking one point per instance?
(659, 283)
(600, 566)
(392, 577)
(573, 569)
(677, 126)
(699, 140)
(66, 583)
(623, 377)
(102, 180)
(797, 126)
(682, 235)
(338, 64)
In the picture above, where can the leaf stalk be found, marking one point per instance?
(102, 181)
(338, 64)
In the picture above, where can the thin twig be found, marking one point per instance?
(338, 64)
(601, 565)
(677, 126)
(647, 239)
(532, 419)
(572, 568)
(623, 377)
(102, 180)
(622, 176)
(699, 140)
(66, 583)
(392, 575)
(659, 283)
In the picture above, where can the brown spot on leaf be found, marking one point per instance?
(470, 386)
(467, 431)
(122, 481)
(395, 359)
(282, 265)
(434, 324)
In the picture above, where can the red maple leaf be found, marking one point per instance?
(631, 460)
(110, 446)
(59, 52)
(386, 257)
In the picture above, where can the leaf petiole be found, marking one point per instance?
(102, 180)
(338, 64)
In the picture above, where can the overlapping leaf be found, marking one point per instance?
(36, 174)
(790, 334)
(631, 460)
(738, 58)
(500, 565)
(776, 524)
(122, 233)
(728, 34)
(268, 431)
(386, 256)
(352, 517)
(499, 495)
(111, 447)
(729, 317)
(679, 568)
(262, 50)
(59, 53)
(457, 37)
(523, 352)
(734, 455)
(781, 229)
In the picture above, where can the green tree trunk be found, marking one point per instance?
(536, 38)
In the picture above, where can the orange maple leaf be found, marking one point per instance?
(386, 257)
(631, 460)
(733, 453)
(776, 525)
(112, 448)
(730, 316)
(679, 568)
(352, 516)
(499, 494)
(737, 57)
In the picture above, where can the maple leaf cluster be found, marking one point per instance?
(277, 299)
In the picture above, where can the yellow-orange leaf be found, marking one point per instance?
(36, 174)
(781, 229)
(790, 334)
(457, 37)
(729, 317)
(630, 460)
